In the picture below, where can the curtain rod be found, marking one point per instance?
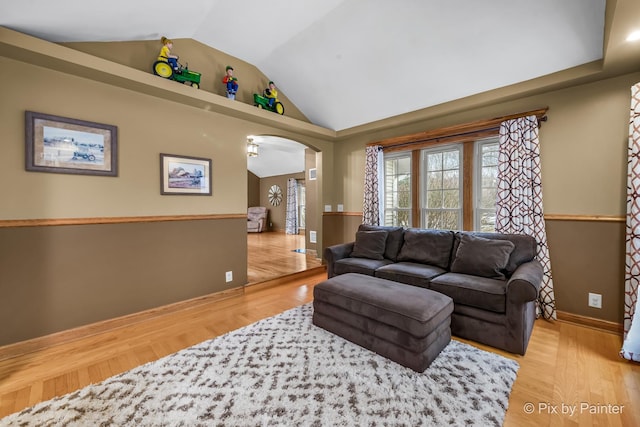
(437, 138)
(458, 131)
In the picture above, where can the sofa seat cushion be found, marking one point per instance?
(410, 273)
(359, 265)
(474, 291)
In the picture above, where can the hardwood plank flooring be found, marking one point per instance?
(271, 254)
(567, 367)
(33, 377)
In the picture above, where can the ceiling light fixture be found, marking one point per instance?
(252, 148)
(634, 36)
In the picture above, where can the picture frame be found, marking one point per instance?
(185, 175)
(58, 144)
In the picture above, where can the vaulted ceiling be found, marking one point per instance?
(346, 63)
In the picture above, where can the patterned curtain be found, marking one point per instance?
(631, 347)
(519, 200)
(372, 170)
(291, 218)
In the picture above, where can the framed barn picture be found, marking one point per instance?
(183, 175)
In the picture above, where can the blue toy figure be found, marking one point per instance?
(231, 82)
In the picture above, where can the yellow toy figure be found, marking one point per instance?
(231, 82)
(165, 53)
(272, 94)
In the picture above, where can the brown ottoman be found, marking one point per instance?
(404, 323)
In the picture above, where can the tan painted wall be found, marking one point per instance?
(277, 214)
(583, 150)
(314, 203)
(253, 190)
(340, 227)
(52, 278)
(56, 278)
(583, 147)
(146, 128)
(209, 62)
(588, 256)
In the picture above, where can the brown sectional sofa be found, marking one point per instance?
(493, 278)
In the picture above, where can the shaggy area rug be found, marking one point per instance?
(284, 371)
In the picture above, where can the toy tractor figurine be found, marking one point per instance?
(263, 102)
(181, 75)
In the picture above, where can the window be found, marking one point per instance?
(302, 197)
(442, 188)
(486, 184)
(397, 189)
(456, 189)
(455, 175)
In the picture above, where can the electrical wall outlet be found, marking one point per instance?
(312, 237)
(595, 300)
(228, 276)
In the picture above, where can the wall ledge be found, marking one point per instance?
(547, 217)
(35, 51)
(113, 220)
(597, 218)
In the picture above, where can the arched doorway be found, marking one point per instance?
(282, 168)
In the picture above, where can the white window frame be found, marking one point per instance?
(301, 207)
(477, 181)
(423, 187)
(419, 206)
(392, 156)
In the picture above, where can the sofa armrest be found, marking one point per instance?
(524, 284)
(335, 253)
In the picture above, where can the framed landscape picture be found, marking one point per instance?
(64, 145)
(182, 175)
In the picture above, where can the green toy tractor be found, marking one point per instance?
(263, 102)
(181, 75)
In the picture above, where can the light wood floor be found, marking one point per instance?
(565, 364)
(271, 255)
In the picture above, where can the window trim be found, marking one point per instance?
(411, 183)
(477, 182)
(466, 134)
(422, 181)
(457, 133)
(470, 170)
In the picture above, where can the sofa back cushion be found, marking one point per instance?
(394, 239)
(370, 244)
(524, 250)
(427, 246)
(482, 257)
